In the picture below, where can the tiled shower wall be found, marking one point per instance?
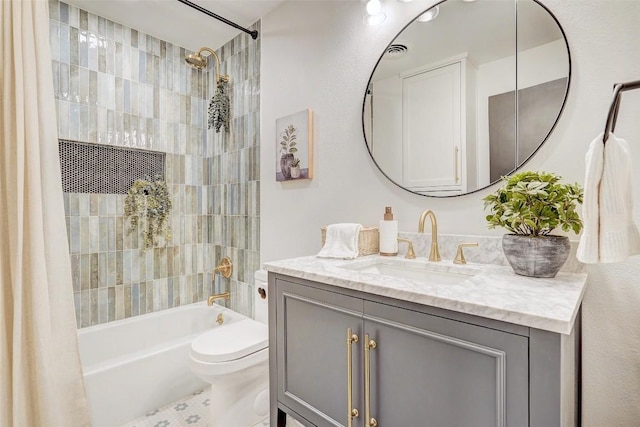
(117, 86)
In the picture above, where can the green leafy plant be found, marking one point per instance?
(147, 206)
(289, 140)
(534, 204)
(295, 163)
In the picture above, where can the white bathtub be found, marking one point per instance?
(136, 365)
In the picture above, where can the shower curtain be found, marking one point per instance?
(40, 375)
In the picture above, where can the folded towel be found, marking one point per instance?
(609, 233)
(341, 241)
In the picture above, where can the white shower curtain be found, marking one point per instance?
(40, 375)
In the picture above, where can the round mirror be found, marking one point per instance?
(465, 94)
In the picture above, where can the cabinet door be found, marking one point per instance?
(312, 352)
(431, 371)
(431, 139)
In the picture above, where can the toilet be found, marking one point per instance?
(234, 359)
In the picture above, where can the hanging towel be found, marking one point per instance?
(341, 241)
(609, 233)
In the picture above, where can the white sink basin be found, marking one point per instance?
(421, 272)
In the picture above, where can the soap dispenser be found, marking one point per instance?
(388, 234)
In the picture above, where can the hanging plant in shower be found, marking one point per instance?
(220, 106)
(147, 207)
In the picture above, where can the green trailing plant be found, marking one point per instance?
(289, 140)
(295, 163)
(147, 206)
(220, 106)
(534, 204)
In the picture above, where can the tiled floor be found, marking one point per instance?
(191, 411)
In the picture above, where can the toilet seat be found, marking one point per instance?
(230, 342)
(210, 370)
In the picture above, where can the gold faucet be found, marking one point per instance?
(214, 297)
(434, 254)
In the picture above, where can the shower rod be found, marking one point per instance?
(253, 34)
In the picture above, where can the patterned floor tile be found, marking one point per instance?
(191, 411)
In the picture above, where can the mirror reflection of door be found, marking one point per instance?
(512, 80)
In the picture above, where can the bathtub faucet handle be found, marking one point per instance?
(225, 267)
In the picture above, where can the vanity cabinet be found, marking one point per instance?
(426, 369)
(412, 365)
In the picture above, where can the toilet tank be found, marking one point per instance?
(260, 298)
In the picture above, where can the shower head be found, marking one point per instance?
(199, 62)
(196, 61)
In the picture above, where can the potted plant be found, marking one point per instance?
(531, 205)
(287, 150)
(295, 168)
(147, 207)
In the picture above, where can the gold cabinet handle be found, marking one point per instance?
(457, 165)
(369, 345)
(351, 411)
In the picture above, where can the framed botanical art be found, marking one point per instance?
(294, 134)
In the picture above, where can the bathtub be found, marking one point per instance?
(136, 365)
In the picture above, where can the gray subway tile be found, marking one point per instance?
(94, 270)
(119, 302)
(111, 298)
(54, 10)
(84, 19)
(103, 305)
(127, 300)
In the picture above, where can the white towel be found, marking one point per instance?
(341, 241)
(609, 233)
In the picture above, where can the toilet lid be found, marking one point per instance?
(231, 341)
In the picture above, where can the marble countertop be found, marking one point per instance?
(490, 291)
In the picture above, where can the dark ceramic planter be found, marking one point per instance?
(285, 165)
(536, 256)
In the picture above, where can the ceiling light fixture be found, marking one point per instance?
(374, 15)
(374, 7)
(430, 14)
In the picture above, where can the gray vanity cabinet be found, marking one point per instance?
(425, 370)
(431, 371)
(311, 345)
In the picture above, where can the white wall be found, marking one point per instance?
(320, 55)
(387, 126)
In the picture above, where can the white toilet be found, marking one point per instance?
(234, 359)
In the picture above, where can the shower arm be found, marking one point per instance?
(215, 55)
(252, 33)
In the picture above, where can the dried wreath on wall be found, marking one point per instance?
(147, 206)
(220, 106)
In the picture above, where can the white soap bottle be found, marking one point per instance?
(388, 234)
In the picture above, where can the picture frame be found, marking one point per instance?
(294, 146)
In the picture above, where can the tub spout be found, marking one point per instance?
(214, 297)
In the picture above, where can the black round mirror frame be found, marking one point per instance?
(564, 36)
